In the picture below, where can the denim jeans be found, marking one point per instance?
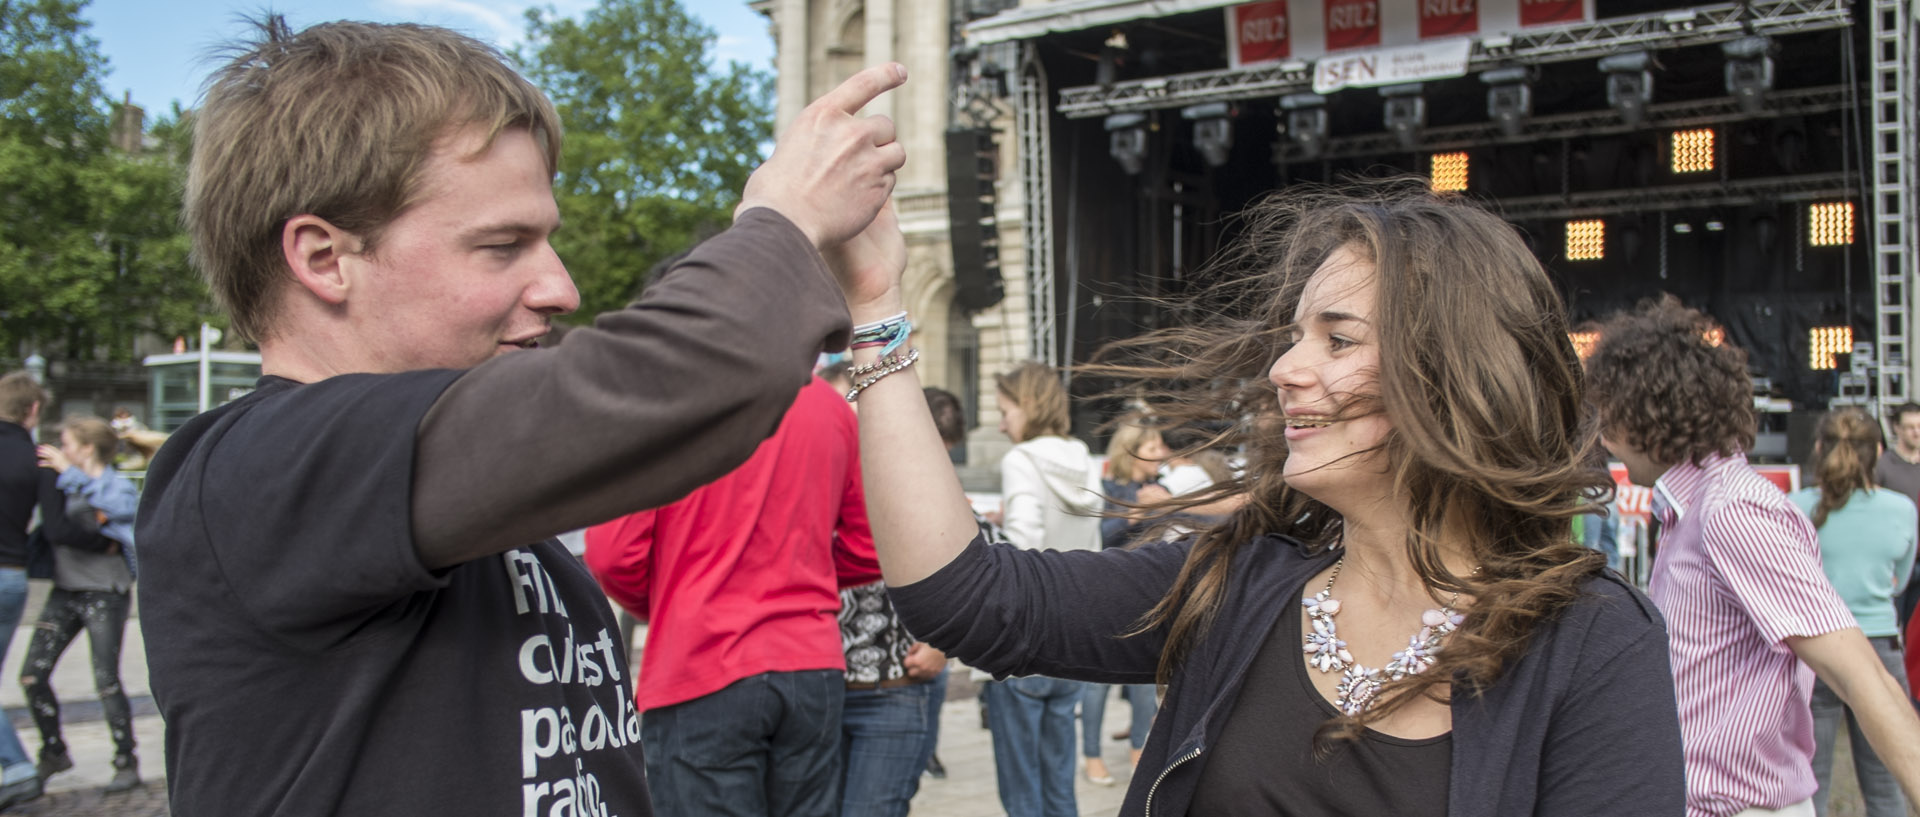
(767, 745)
(1143, 700)
(1032, 723)
(883, 748)
(1878, 790)
(13, 604)
(936, 697)
(103, 614)
(1093, 712)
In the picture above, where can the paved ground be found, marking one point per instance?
(967, 751)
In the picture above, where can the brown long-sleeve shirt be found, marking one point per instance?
(648, 404)
(348, 605)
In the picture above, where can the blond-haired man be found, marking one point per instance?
(349, 605)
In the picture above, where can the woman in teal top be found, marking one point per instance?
(1867, 536)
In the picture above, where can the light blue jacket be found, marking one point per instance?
(111, 494)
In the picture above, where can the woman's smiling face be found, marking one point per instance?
(1329, 383)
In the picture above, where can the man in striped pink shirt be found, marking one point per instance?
(1737, 575)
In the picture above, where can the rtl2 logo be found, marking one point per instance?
(1448, 18)
(1352, 24)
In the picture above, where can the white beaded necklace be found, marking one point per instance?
(1360, 686)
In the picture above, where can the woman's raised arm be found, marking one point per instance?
(919, 513)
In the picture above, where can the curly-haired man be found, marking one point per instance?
(1738, 573)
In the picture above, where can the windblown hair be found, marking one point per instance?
(1478, 379)
(1667, 382)
(1846, 446)
(1035, 388)
(18, 393)
(94, 433)
(1130, 433)
(337, 121)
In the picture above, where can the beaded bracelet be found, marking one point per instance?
(888, 334)
(872, 372)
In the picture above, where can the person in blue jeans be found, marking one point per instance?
(1867, 539)
(1134, 456)
(1049, 490)
(889, 709)
(1031, 719)
(23, 485)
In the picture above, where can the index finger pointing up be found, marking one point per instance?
(863, 87)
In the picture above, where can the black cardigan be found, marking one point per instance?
(1584, 723)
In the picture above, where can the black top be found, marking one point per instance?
(1589, 705)
(1264, 765)
(22, 484)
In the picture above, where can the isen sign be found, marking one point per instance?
(1392, 66)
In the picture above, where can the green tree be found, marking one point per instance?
(658, 141)
(91, 251)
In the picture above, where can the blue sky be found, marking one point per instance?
(156, 48)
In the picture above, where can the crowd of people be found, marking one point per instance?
(1338, 572)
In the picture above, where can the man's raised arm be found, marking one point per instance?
(679, 388)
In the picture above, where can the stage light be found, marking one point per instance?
(1682, 227)
(1127, 141)
(1692, 150)
(1449, 172)
(1509, 97)
(1749, 71)
(1586, 240)
(1679, 22)
(1212, 131)
(1830, 223)
(1306, 122)
(1583, 343)
(1715, 225)
(1824, 343)
(1406, 112)
(1629, 85)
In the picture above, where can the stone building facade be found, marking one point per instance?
(833, 39)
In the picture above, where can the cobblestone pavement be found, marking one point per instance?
(149, 800)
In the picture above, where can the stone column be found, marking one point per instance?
(790, 17)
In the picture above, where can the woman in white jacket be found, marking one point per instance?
(1050, 499)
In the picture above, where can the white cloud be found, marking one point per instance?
(496, 20)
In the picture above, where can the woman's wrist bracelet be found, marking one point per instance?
(886, 335)
(865, 376)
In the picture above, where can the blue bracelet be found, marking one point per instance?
(889, 334)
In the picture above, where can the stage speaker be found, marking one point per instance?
(1801, 426)
(972, 167)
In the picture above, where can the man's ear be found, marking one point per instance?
(314, 249)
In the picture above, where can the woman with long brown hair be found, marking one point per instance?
(1397, 621)
(1867, 538)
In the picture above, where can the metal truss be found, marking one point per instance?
(1695, 26)
(1891, 210)
(1036, 177)
(1686, 114)
(1680, 197)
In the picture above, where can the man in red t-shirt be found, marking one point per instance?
(741, 686)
